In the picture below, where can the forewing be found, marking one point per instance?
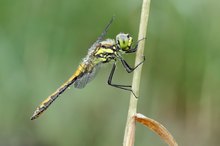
(88, 76)
(101, 37)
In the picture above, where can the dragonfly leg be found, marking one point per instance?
(128, 68)
(123, 87)
(134, 49)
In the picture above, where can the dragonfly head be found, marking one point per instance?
(124, 42)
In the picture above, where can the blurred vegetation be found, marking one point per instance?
(42, 42)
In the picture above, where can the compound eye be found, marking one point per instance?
(128, 36)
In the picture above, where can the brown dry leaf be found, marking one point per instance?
(157, 128)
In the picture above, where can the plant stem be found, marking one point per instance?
(129, 135)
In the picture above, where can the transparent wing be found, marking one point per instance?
(101, 37)
(87, 77)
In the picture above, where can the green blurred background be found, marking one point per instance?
(43, 41)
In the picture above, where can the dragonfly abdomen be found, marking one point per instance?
(49, 100)
(102, 51)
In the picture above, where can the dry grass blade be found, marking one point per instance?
(157, 128)
(129, 135)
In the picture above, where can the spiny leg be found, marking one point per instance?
(123, 87)
(134, 49)
(128, 68)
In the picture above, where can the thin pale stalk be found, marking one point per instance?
(130, 126)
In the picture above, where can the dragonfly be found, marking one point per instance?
(101, 52)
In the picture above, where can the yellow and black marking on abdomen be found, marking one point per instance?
(84, 74)
(49, 100)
